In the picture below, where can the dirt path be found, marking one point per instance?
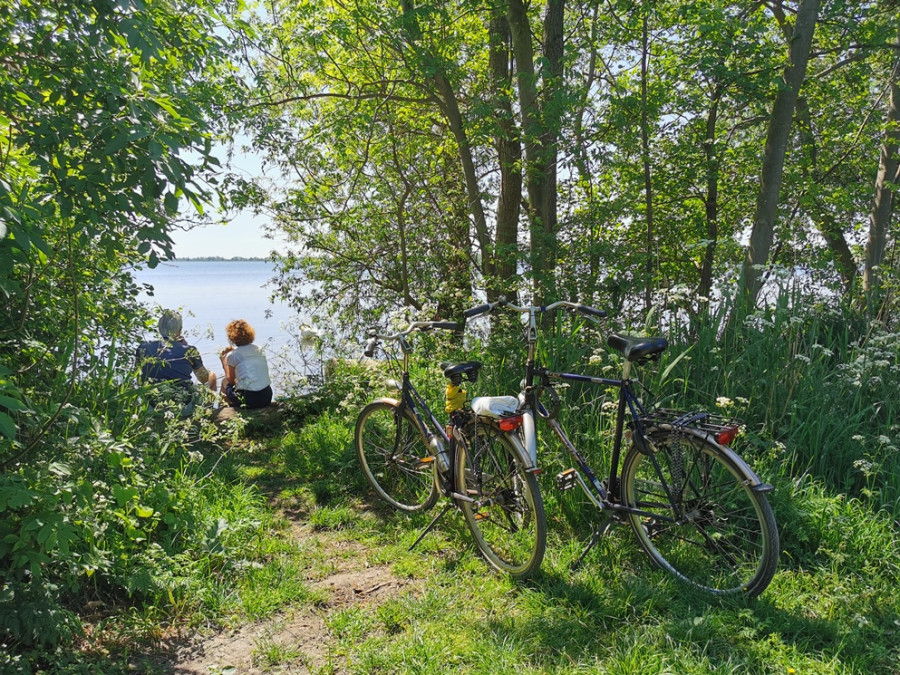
(300, 637)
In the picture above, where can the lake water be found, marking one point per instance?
(209, 294)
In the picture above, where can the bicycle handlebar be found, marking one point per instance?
(375, 337)
(480, 309)
(561, 304)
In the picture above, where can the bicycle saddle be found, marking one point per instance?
(637, 348)
(455, 371)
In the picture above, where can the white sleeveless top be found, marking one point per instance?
(250, 367)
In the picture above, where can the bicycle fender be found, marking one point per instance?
(386, 399)
(529, 438)
(520, 449)
(754, 481)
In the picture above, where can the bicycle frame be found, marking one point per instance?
(604, 497)
(711, 508)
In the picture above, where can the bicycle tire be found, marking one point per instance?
(390, 449)
(721, 535)
(506, 517)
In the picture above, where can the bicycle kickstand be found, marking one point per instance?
(431, 525)
(595, 537)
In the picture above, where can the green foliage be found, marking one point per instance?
(106, 128)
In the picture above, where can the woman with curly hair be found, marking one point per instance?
(246, 382)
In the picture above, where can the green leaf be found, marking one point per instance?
(11, 403)
(7, 426)
(117, 143)
(60, 469)
(171, 204)
(15, 496)
(124, 494)
(143, 511)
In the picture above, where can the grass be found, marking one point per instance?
(832, 608)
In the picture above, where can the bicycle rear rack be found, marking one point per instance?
(723, 429)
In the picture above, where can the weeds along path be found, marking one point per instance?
(297, 640)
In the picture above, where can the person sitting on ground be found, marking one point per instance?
(246, 383)
(172, 359)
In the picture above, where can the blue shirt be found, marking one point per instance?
(163, 360)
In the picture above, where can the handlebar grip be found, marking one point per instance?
(369, 351)
(445, 325)
(584, 309)
(475, 311)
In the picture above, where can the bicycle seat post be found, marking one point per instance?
(626, 369)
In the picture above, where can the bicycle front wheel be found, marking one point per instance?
(392, 453)
(701, 520)
(506, 514)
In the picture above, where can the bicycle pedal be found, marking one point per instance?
(567, 479)
(480, 516)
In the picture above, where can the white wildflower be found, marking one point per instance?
(884, 440)
(724, 402)
(802, 357)
(859, 438)
(309, 337)
(863, 465)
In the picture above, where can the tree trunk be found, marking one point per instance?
(888, 177)
(500, 279)
(711, 202)
(540, 134)
(645, 160)
(551, 103)
(446, 99)
(763, 232)
(824, 219)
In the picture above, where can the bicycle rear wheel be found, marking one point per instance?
(390, 448)
(711, 530)
(506, 517)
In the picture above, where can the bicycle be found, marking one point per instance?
(696, 507)
(477, 460)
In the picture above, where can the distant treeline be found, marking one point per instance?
(216, 258)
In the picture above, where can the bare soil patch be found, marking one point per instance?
(300, 635)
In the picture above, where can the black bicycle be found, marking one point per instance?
(476, 460)
(697, 508)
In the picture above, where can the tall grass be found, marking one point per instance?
(816, 385)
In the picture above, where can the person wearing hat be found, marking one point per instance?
(171, 358)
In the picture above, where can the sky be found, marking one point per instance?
(242, 236)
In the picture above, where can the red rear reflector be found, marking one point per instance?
(510, 423)
(727, 435)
